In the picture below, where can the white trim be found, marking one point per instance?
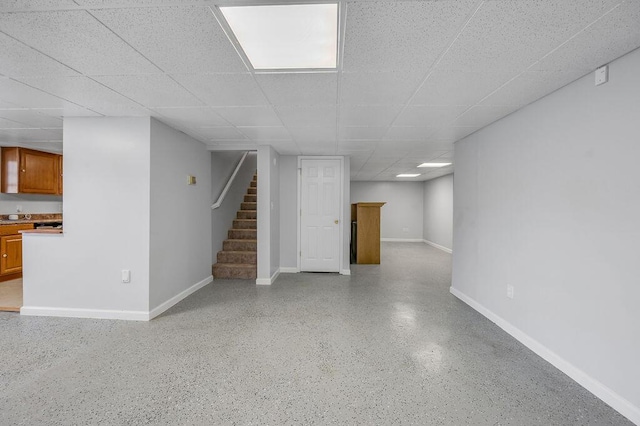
(610, 397)
(401, 240)
(345, 271)
(178, 297)
(344, 219)
(438, 246)
(43, 311)
(289, 269)
(268, 281)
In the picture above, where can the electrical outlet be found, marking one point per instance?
(510, 291)
(126, 276)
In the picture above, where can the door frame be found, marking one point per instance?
(341, 268)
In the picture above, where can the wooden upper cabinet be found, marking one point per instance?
(26, 171)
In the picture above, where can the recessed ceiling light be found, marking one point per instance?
(302, 36)
(434, 164)
(408, 175)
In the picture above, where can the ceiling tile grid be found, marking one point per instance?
(413, 76)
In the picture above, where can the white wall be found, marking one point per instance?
(223, 163)
(268, 214)
(401, 216)
(288, 212)
(180, 244)
(547, 200)
(106, 222)
(438, 211)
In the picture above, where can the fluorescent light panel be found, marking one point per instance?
(408, 175)
(434, 164)
(298, 36)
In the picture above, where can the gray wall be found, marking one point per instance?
(548, 200)
(180, 225)
(268, 214)
(401, 216)
(223, 163)
(288, 211)
(438, 211)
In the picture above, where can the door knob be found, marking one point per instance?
(335, 221)
(4, 255)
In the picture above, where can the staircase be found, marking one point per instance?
(238, 258)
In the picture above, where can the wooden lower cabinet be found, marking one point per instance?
(10, 254)
(11, 250)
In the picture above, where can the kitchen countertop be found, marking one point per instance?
(42, 231)
(35, 218)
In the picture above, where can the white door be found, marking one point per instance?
(320, 215)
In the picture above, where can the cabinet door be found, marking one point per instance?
(38, 172)
(60, 173)
(11, 249)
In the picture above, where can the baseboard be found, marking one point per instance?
(401, 240)
(41, 311)
(345, 271)
(268, 281)
(607, 395)
(289, 270)
(438, 246)
(178, 297)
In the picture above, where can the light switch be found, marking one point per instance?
(126, 276)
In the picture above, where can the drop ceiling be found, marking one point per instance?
(413, 77)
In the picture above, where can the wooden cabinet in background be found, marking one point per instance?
(27, 171)
(11, 250)
(367, 218)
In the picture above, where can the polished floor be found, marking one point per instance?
(387, 345)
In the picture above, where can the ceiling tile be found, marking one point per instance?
(83, 91)
(386, 36)
(358, 145)
(249, 116)
(362, 133)
(589, 49)
(21, 60)
(318, 88)
(378, 88)
(220, 133)
(453, 87)
(530, 86)
(223, 89)
(6, 123)
(150, 90)
(453, 133)
(27, 5)
(307, 116)
(70, 110)
(31, 118)
(29, 135)
(429, 115)
(76, 39)
(186, 39)
(265, 133)
(481, 115)
(409, 133)
(23, 95)
(507, 35)
(191, 116)
(318, 149)
(313, 135)
(285, 147)
(368, 115)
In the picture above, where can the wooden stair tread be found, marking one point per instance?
(235, 265)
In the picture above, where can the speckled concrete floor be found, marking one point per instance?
(388, 345)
